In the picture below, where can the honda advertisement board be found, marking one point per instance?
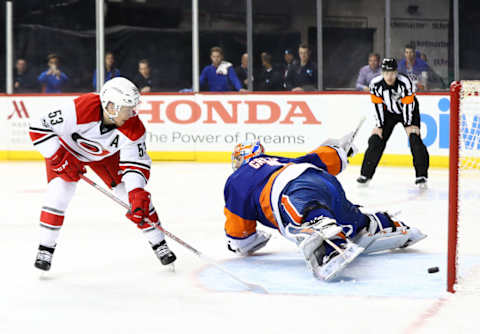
(205, 127)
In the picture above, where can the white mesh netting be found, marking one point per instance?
(470, 125)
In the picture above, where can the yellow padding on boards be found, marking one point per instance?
(20, 155)
(387, 159)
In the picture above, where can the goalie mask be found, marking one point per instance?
(122, 93)
(244, 152)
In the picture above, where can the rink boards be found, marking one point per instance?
(205, 127)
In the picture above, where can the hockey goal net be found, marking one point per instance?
(464, 187)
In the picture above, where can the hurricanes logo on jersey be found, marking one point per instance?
(89, 146)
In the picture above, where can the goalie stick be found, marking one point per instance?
(251, 287)
(354, 134)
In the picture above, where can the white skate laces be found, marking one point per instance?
(162, 250)
(44, 255)
(165, 255)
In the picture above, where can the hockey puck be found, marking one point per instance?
(433, 270)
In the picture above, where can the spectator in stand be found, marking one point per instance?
(435, 81)
(368, 72)
(242, 71)
(110, 70)
(415, 68)
(290, 62)
(269, 79)
(143, 79)
(52, 80)
(422, 56)
(220, 75)
(303, 77)
(24, 80)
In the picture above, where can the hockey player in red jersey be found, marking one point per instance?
(303, 200)
(101, 131)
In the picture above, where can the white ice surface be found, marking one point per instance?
(105, 278)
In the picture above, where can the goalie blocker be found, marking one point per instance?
(303, 200)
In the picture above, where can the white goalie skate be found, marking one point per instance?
(323, 266)
(376, 238)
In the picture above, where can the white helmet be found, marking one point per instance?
(121, 92)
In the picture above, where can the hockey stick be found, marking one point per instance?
(252, 287)
(354, 134)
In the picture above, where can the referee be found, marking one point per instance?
(394, 100)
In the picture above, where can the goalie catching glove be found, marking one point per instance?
(139, 205)
(345, 143)
(66, 165)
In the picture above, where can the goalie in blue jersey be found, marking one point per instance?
(304, 201)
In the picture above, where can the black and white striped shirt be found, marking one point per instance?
(397, 99)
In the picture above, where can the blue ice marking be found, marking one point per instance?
(392, 274)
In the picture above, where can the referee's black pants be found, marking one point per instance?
(376, 146)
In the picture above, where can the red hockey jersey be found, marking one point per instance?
(78, 126)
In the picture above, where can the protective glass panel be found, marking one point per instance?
(279, 29)
(469, 46)
(2, 49)
(420, 35)
(352, 31)
(151, 43)
(222, 33)
(54, 46)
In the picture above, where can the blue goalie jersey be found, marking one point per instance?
(248, 190)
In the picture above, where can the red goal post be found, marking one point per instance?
(463, 175)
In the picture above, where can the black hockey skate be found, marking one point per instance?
(44, 258)
(363, 180)
(421, 182)
(164, 254)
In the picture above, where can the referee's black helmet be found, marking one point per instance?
(389, 64)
